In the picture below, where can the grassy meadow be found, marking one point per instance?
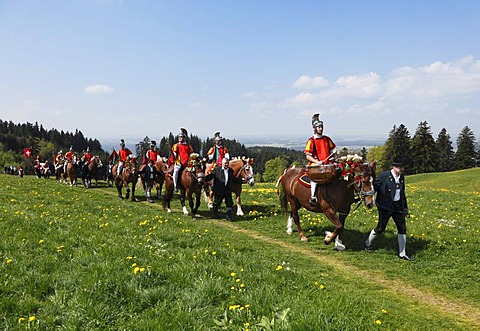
(77, 259)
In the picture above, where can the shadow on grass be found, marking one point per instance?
(354, 239)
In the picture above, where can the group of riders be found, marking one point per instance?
(60, 163)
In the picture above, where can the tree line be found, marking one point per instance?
(420, 153)
(423, 154)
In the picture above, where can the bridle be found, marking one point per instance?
(246, 169)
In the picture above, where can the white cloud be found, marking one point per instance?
(440, 93)
(98, 89)
(308, 82)
(194, 105)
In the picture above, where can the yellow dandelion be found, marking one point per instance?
(321, 287)
(41, 241)
(378, 322)
(21, 319)
(232, 274)
(9, 261)
(315, 283)
(214, 253)
(238, 280)
(384, 311)
(279, 267)
(31, 318)
(136, 270)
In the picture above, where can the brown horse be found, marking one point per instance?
(91, 170)
(191, 180)
(160, 179)
(128, 176)
(71, 173)
(334, 199)
(242, 169)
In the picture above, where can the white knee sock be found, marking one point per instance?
(371, 237)
(402, 243)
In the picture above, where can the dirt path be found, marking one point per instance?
(460, 311)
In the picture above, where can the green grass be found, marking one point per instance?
(79, 259)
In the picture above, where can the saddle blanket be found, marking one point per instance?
(304, 180)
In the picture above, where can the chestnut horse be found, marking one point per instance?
(71, 173)
(128, 176)
(334, 199)
(191, 179)
(242, 169)
(160, 179)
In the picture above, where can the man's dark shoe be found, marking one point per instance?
(406, 258)
(229, 216)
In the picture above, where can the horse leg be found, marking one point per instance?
(127, 193)
(119, 185)
(182, 201)
(197, 203)
(339, 246)
(239, 205)
(294, 207)
(133, 192)
(332, 216)
(290, 224)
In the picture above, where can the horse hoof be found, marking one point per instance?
(304, 239)
(290, 231)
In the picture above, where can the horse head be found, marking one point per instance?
(196, 167)
(361, 175)
(363, 183)
(242, 168)
(130, 172)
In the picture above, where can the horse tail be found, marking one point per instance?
(281, 194)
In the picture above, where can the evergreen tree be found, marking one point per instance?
(397, 147)
(446, 155)
(142, 147)
(423, 150)
(465, 156)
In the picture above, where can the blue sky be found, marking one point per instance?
(129, 69)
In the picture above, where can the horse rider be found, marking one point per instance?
(217, 152)
(69, 157)
(87, 158)
(59, 160)
(391, 202)
(152, 153)
(37, 161)
(179, 156)
(123, 154)
(150, 172)
(319, 149)
(45, 167)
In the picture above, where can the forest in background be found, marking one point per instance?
(421, 153)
